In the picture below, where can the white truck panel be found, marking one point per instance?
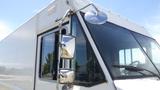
(17, 58)
(47, 17)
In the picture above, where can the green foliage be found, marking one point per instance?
(48, 65)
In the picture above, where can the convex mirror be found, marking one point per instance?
(68, 46)
(95, 17)
(66, 76)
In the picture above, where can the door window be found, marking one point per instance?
(88, 71)
(48, 62)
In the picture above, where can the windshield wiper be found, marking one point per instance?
(135, 69)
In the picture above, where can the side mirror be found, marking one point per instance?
(68, 46)
(66, 76)
(96, 17)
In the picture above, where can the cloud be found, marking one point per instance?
(4, 30)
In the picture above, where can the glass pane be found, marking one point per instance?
(155, 53)
(138, 55)
(88, 70)
(122, 57)
(118, 47)
(128, 56)
(151, 47)
(48, 62)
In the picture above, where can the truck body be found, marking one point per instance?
(116, 55)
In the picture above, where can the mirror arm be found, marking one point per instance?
(59, 47)
(91, 4)
(67, 13)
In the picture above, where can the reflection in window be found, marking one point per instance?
(155, 53)
(88, 70)
(119, 47)
(48, 62)
(150, 47)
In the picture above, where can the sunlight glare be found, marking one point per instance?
(4, 30)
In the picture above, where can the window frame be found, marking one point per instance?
(41, 46)
(40, 37)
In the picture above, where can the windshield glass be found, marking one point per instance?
(151, 48)
(120, 48)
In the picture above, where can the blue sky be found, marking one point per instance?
(16, 12)
(136, 10)
(143, 12)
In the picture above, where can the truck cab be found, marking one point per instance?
(75, 45)
(112, 55)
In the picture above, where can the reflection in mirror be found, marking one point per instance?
(68, 46)
(96, 17)
(66, 76)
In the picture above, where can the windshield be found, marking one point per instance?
(120, 47)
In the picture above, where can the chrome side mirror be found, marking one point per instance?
(66, 76)
(68, 46)
(96, 16)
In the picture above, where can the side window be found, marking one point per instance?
(88, 70)
(48, 62)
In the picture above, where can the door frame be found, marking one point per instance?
(38, 52)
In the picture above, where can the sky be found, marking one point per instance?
(146, 13)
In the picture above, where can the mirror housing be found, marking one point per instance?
(68, 46)
(66, 76)
(96, 17)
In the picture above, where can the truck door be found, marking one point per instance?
(46, 64)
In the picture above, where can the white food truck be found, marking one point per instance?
(74, 45)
